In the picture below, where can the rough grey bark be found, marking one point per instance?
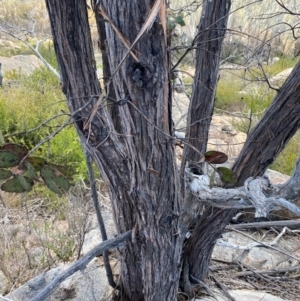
(212, 28)
(103, 46)
(132, 141)
(135, 157)
(264, 143)
(211, 32)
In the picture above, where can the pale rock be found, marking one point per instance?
(243, 295)
(25, 64)
(4, 283)
(90, 284)
(260, 258)
(278, 79)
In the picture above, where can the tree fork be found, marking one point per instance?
(264, 143)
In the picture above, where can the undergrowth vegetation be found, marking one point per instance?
(247, 92)
(36, 109)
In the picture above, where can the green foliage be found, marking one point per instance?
(285, 162)
(227, 95)
(54, 180)
(259, 100)
(15, 155)
(226, 174)
(37, 99)
(284, 63)
(215, 157)
(53, 203)
(174, 20)
(62, 246)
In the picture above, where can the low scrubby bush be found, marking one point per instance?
(36, 109)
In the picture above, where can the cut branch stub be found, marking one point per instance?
(54, 180)
(5, 174)
(227, 175)
(215, 157)
(17, 184)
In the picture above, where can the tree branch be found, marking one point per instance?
(286, 223)
(256, 193)
(101, 224)
(80, 264)
(35, 50)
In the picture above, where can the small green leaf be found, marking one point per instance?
(8, 159)
(179, 20)
(227, 175)
(26, 182)
(5, 174)
(215, 157)
(30, 171)
(54, 180)
(17, 149)
(14, 185)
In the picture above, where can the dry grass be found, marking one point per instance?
(32, 236)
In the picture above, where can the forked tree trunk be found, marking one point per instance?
(130, 136)
(133, 148)
(265, 142)
(211, 32)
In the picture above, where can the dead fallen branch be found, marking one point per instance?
(267, 272)
(80, 264)
(288, 223)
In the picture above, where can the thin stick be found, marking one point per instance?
(80, 264)
(101, 225)
(290, 223)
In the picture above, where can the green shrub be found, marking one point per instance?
(285, 162)
(227, 94)
(36, 100)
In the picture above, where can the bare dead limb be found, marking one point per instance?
(266, 272)
(80, 264)
(35, 50)
(288, 223)
(222, 287)
(256, 193)
(267, 245)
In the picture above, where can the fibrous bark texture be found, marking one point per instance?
(212, 28)
(264, 143)
(129, 133)
(133, 146)
(211, 32)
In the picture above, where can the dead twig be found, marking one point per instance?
(222, 287)
(266, 272)
(80, 264)
(289, 223)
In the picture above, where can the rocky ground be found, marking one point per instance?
(261, 263)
